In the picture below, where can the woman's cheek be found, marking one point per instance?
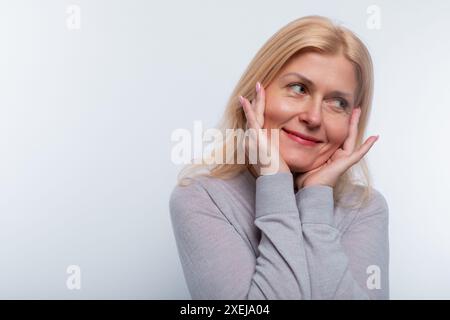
(278, 111)
(338, 134)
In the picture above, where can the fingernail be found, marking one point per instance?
(241, 100)
(258, 86)
(377, 136)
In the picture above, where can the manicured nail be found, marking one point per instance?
(241, 100)
(258, 86)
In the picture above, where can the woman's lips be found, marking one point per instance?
(300, 140)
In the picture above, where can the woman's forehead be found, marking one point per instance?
(321, 71)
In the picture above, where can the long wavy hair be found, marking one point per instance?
(310, 33)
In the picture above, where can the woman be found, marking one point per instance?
(306, 229)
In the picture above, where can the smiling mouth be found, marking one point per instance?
(300, 140)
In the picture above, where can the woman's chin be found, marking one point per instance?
(297, 167)
(298, 161)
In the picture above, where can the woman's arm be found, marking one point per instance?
(347, 266)
(219, 264)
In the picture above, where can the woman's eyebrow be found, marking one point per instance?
(301, 77)
(312, 85)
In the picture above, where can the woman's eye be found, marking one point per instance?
(302, 89)
(339, 103)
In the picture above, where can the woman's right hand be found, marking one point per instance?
(259, 142)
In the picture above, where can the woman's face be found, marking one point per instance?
(311, 95)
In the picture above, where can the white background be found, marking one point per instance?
(86, 118)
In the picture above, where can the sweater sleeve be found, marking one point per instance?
(219, 264)
(349, 266)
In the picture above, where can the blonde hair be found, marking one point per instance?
(310, 33)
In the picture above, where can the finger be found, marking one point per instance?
(272, 136)
(249, 113)
(253, 106)
(343, 164)
(350, 142)
(365, 147)
(260, 103)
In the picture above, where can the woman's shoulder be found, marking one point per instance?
(194, 186)
(194, 193)
(197, 185)
(206, 192)
(189, 190)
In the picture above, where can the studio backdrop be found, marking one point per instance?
(91, 93)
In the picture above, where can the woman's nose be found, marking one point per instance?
(311, 113)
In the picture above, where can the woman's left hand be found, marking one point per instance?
(341, 160)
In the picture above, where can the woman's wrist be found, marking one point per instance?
(274, 193)
(257, 171)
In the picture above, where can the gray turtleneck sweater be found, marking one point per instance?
(247, 238)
